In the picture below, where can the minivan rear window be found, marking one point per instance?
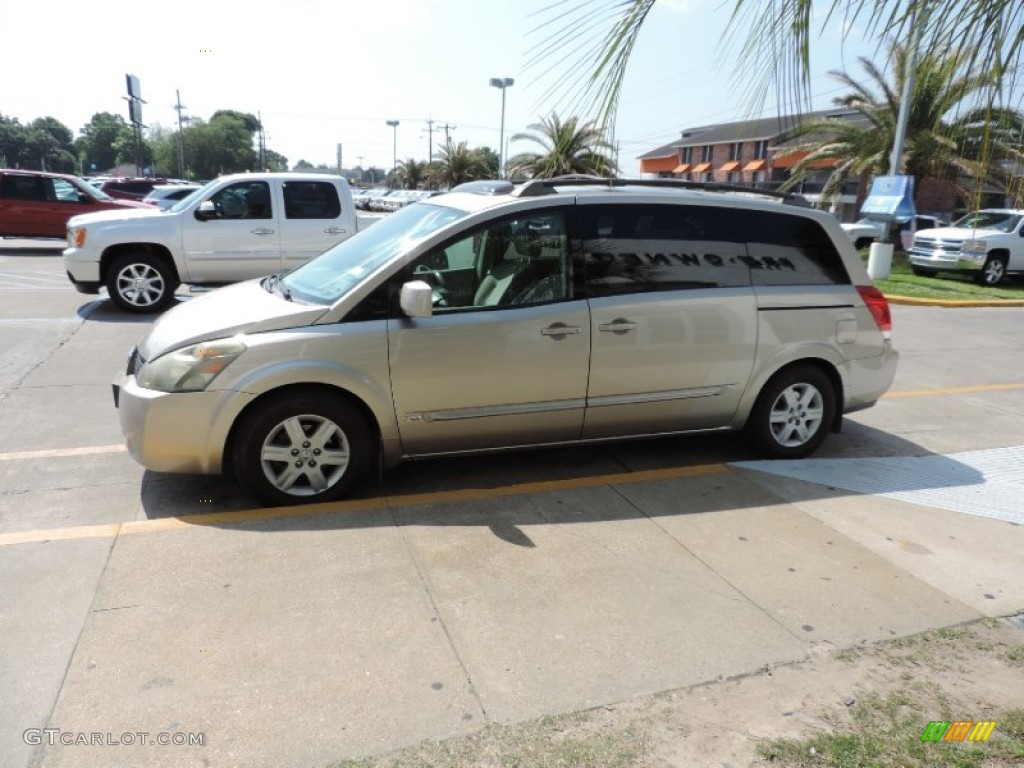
(791, 250)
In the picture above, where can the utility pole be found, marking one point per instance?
(179, 108)
(339, 158)
(430, 139)
(262, 143)
(446, 128)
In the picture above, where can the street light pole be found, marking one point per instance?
(502, 83)
(394, 144)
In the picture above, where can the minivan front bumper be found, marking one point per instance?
(182, 432)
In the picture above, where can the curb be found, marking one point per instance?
(911, 301)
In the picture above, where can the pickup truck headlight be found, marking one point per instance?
(975, 247)
(76, 237)
(190, 369)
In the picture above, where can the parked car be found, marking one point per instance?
(498, 317)
(163, 196)
(39, 204)
(866, 231)
(129, 188)
(235, 228)
(988, 244)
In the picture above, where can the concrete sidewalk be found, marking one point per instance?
(300, 640)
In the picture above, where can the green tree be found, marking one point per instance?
(566, 147)
(275, 161)
(45, 143)
(97, 140)
(937, 145)
(249, 120)
(773, 38)
(303, 165)
(457, 163)
(410, 173)
(223, 145)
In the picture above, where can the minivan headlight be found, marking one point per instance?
(190, 369)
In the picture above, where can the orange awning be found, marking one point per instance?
(659, 164)
(755, 165)
(702, 167)
(732, 165)
(791, 159)
(683, 168)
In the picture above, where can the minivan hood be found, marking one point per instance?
(121, 213)
(225, 312)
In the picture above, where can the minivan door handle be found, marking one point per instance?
(559, 329)
(335, 231)
(618, 325)
(263, 231)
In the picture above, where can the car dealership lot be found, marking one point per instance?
(464, 591)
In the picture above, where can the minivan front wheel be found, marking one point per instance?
(793, 413)
(303, 448)
(141, 283)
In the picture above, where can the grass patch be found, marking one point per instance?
(949, 287)
(886, 733)
(1016, 656)
(550, 742)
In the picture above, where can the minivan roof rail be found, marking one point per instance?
(541, 187)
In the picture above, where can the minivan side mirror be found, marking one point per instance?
(417, 299)
(206, 210)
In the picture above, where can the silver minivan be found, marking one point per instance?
(500, 316)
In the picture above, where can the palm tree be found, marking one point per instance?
(410, 173)
(972, 145)
(457, 164)
(775, 48)
(568, 148)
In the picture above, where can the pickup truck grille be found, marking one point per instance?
(931, 245)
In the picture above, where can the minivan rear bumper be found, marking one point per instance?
(868, 378)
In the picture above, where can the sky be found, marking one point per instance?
(325, 73)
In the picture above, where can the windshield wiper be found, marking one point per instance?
(273, 284)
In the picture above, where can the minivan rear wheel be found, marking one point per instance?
(793, 413)
(303, 448)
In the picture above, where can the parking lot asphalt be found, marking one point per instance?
(146, 608)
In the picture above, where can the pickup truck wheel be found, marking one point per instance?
(922, 271)
(793, 413)
(863, 242)
(303, 448)
(140, 283)
(994, 271)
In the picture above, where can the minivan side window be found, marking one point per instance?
(509, 262)
(644, 248)
(311, 200)
(791, 250)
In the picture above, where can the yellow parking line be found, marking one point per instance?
(954, 390)
(54, 453)
(356, 505)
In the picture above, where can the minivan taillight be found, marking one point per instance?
(878, 305)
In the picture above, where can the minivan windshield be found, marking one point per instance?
(333, 273)
(1000, 220)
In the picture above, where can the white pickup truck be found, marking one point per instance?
(988, 244)
(234, 228)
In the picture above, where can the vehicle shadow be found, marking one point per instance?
(102, 310)
(489, 490)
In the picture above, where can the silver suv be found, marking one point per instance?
(559, 311)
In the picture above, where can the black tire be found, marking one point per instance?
(994, 271)
(323, 446)
(922, 271)
(139, 282)
(793, 413)
(863, 242)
